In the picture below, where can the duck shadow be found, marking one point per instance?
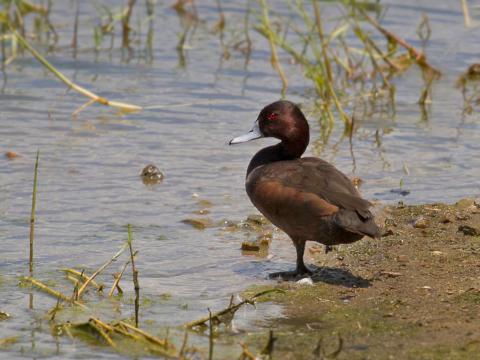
(336, 276)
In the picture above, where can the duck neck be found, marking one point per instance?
(285, 150)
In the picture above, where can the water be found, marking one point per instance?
(89, 186)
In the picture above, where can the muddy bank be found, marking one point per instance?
(415, 294)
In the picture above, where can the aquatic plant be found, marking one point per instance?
(342, 51)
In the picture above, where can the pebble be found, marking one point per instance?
(421, 223)
(151, 175)
(468, 230)
(305, 281)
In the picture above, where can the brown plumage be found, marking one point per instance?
(308, 198)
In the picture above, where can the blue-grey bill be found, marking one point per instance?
(253, 134)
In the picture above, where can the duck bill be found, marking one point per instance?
(253, 134)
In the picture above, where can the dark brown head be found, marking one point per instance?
(282, 120)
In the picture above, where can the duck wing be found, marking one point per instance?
(316, 176)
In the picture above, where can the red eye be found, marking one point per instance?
(272, 116)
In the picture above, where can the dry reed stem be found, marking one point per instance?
(418, 56)
(50, 291)
(32, 214)
(146, 335)
(83, 277)
(98, 325)
(229, 310)
(126, 23)
(136, 285)
(125, 107)
(118, 278)
(273, 49)
(466, 14)
(210, 336)
(184, 345)
(100, 269)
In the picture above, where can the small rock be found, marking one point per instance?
(256, 219)
(468, 230)
(390, 222)
(447, 218)
(305, 281)
(151, 175)
(460, 216)
(420, 223)
(437, 253)
(199, 224)
(388, 232)
(402, 258)
(390, 274)
(265, 239)
(315, 249)
(401, 192)
(464, 203)
(4, 315)
(357, 182)
(250, 246)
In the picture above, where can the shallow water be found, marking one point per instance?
(89, 186)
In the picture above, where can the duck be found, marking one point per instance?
(306, 197)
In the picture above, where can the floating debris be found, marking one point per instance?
(121, 336)
(4, 315)
(197, 223)
(8, 341)
(151, 175)
(11, 155)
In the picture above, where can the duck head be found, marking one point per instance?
(282, 120)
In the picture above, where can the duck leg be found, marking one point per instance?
(301, 270)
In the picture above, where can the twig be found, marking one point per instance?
(230, 311)
(100, 269)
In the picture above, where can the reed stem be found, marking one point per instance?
(32, 214)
